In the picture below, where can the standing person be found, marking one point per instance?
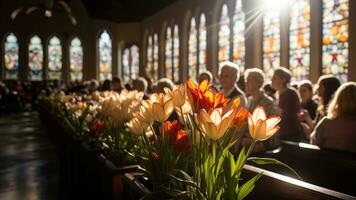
(289, 105)
(338, 129)
(229, 73)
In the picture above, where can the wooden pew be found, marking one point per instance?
(276, 186)
(331, 169)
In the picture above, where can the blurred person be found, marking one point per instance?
(229, 73)
(289, 105)
(326, 88)
(116, 84)
(254, 80)
(338, 129)
(164, 83)
(270, 91)
(140, 84)
(106, 85)
(207, 75)
(93, 86)
(306, 96)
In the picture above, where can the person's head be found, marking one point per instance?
(281, 78)
(139, 84)
(164, 83)
(205, 75)
(93, 85)
(116, 84)
(306, 90)
(254, 80)
(269, 90)
(344, 102)
(327, 85)
(106, 85)
(229, 73)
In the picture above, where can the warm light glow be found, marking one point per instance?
(275, 5)
(308, 146)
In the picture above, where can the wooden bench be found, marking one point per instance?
(331, 169)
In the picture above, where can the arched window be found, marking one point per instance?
(35, 59)
(169, 54)
(149, 60)
(155, 56)
(202, 44)
(176, 54)
(271, 38)
(130, 63)
(126, 65)
(105, 56)
(11, 57)
(299, 39)
(54, 59)
(192, 56)
(135, 59)
(76, 59)
(224, 35)
(335, 37)
(238, 54)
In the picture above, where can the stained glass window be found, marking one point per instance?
(149, 61)
(224, 35)
(271, 40)
(335, 37)
(135, 61)
(130, 63)
(176, 54)
(299, 39)
(76, 59)
(238, 54)
(192, 55)
(202, 44)
(155, 56)
(105, 56)
(169, 54)
(126, 65)
(11, 57)
(35, 59)
(54, 59)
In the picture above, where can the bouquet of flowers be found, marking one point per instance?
(186, 139)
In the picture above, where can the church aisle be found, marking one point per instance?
(28, 163)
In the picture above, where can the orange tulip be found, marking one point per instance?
(260, 127)
(240, 118)
(176, 135)
(214, 123)
(202, 97)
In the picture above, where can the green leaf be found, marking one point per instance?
(265, 161)
(248, 187)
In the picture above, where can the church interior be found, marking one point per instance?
(177, 99)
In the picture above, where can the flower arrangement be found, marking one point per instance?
(186, 139)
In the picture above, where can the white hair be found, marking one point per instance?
(230, 65)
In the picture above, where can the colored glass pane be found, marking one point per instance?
(224, 35)
(335, 38)
(176, 54)
(202, 44)
(238, 54)
(35, 59)
(299, 39)
(169, 54)
(54, 59)
(76, 60)
(149, 64)
(271, 41)
(126, 65)
(135, 61)
(105, 56)
(192, 55)
(155, 56)
(11, 57)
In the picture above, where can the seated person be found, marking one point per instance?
(206, 75)
(254, 80)
(140, 84)
(229, 73)
(338, 129)
(306, 95)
